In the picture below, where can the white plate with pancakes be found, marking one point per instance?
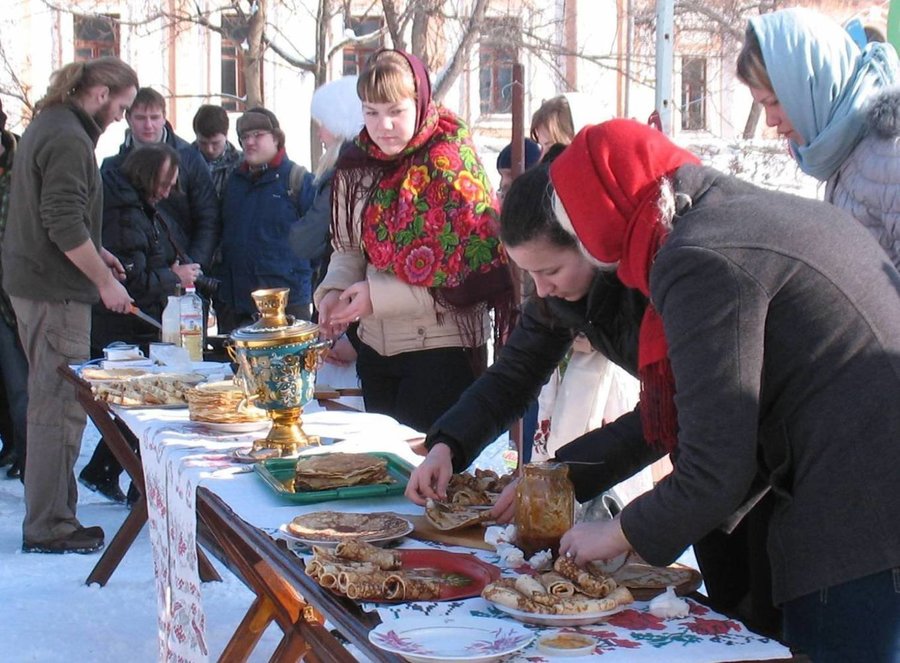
(328, 528)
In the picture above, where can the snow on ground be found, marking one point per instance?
(50, 615)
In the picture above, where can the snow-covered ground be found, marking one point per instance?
(49, 613)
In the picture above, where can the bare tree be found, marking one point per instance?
(15, 88)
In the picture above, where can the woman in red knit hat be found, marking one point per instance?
(771, 349)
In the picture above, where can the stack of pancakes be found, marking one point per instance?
(339, 470)
(221, 403)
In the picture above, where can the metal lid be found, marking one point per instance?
(274, 324)
(294, 330)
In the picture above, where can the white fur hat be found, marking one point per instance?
(336, 106)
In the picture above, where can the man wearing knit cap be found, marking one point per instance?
(263, 199)
(504, 164)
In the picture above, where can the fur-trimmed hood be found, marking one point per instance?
(884, 113)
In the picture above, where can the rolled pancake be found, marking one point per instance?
(510, 598)
(580, 605)
(529, 586)
(361, 584)
(585, 582)
(557, 585)
(365, 590)
(400, 587)
(328, 579)
(360, 551)
(621, 595)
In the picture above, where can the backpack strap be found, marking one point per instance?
(295, 184)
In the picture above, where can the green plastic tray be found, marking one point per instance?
(278, 473)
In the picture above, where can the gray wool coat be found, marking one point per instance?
(868, 182)
(783, 321)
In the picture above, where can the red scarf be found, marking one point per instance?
(609, 182)
(429, 213)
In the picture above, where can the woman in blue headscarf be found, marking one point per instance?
(837, 105)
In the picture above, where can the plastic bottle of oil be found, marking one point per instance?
(192, 324)
(171, 321)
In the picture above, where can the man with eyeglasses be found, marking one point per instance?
(263, 199)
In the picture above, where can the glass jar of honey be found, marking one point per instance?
(545, 507)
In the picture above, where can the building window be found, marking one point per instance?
(355, 56)
(233, 85)
(693, 94)
(496, 57)
(96, 36)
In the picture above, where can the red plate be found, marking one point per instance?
(462, 574)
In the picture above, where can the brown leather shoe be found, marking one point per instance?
(82, 541)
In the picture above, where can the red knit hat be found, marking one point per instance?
(606, 175)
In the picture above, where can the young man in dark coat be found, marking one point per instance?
(264, 199)
(193, 204)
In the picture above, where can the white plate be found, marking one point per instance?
(236, 427)
(433, 639)
(580, 619)
(285, 533)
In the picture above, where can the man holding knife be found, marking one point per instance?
(54, 269)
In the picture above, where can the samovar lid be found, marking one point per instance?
(273, 324)
(293, 330)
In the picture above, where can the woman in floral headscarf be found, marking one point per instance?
(771, 349)
(417, 258)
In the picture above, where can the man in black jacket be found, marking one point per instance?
(193, 204)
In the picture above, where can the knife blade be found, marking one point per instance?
(146, 318)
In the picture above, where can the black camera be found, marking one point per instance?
(207, 285)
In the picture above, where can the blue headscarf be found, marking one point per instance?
(823, 81)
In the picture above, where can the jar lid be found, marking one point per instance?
(293, 330)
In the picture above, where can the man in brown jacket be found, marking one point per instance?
(54, 269)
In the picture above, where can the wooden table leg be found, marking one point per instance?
(248, 632)
(208, 572)
(276, 598)
(121, 542)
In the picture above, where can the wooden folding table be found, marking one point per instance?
(122, 444)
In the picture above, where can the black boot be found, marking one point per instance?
(102, 478)
(101, 474)
(108, 486)
(17, 470)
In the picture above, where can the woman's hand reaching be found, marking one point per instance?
(329, 307)
(430, 479)
(597, 539)
(358, 304)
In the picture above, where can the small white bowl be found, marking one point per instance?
(566, 643)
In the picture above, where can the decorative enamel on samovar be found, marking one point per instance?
(277, 358)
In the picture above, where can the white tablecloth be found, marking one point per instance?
(178, 456)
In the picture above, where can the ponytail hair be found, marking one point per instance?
(76, 78)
